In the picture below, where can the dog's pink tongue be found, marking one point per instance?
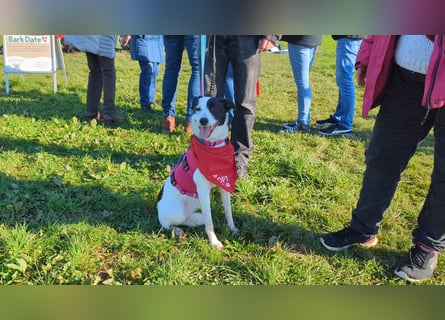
(204, 132)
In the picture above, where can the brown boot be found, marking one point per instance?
(188, 128)
(168, 125)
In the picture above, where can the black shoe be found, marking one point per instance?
(343, 239)
(294, 127)
(92, 115)
(420, 266)
(148, 109)
(111, 118)
(327, 122)
(335, 130)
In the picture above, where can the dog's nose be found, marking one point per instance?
(204, 121)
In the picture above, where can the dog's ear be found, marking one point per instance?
(195, 102)
(228, 104)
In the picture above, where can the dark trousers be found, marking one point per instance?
(398, 129)
(102, 77)
(242, 53)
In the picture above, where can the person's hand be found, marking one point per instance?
(125, 39)
(265, 45)
(360, 75)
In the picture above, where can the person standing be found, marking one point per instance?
(405, 75)
(148, 50)
(340, 123)
(243, 52)
(101, 52)
(301, 50)
(174, 48)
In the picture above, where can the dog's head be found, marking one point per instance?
(209, 118)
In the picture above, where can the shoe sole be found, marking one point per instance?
(292, 132)
(367, 244)
(404, 276)
(319, 125)
(288, 124)
(336, 133)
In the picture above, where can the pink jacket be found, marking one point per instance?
(377, 55)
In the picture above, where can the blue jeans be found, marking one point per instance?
(398, 130)
(147, 82)
(346, 54)
(301, 59)
(174, 48)
(230, 93)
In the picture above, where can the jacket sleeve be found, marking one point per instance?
(364, 52)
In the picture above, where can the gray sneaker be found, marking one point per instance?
(294, 127)
(420, 266)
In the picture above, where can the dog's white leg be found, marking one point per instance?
(203, 189)
(225, 196)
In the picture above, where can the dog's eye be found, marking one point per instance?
(197, 109)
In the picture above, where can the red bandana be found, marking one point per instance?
(216, 164)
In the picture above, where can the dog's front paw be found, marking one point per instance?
(217, 244)
(234, 230)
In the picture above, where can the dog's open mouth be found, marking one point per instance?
(206, 131)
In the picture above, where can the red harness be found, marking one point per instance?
(217, 164)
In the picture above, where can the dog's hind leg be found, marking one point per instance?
(225, 196)
(193, 218)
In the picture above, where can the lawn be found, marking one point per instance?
(78, 199)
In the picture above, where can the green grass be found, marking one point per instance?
(78, 199)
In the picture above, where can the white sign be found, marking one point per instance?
(30, 54)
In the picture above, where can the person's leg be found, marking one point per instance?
(429, 236)
(154, 68)
(109, 87)
(144, 84)
(346, 53)
(215, 67)
(192, 45)
(431, 220)
(398, 130)
(94, 89)
(301, 58)
(174, 46)
(246, 64)
(230, 94)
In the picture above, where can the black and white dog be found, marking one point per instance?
(209, 162)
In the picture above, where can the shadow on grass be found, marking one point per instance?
(42, 203)
(68, 104)
(152, 161)
(364, 136)
(299, 241)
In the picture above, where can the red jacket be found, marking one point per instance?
(377, 55)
